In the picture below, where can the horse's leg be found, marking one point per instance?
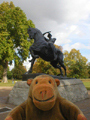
(32, 62)
(62, 65)
(60, 61)
(32, 54)
(55, 65)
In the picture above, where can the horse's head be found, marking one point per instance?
(31, 32)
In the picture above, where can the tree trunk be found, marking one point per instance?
(5, 66)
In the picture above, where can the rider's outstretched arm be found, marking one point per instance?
(46, 32)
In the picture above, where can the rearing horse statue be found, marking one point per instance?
(45, 50)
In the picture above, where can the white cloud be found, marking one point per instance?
(60, 11)
(78, 46)
(77, 10)
(62, 36)
(27, 64)
(53, 14)
(11, 66)
(63, 17)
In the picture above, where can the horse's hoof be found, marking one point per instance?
(30, 71)
(26, 73)
(58, 74)
(61, 76)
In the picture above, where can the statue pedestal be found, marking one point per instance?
(26, 76)
(71, 89)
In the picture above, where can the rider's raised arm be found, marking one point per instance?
(46, 32)
(46, 39)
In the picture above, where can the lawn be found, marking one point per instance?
(9, 84)
(87, 85)
(86, 82)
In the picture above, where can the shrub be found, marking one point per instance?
(18, 71)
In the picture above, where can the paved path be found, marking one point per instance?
(84, 105)
(4, 92)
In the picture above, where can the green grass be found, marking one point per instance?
(87, 85)
(86, 82)
(9, 84)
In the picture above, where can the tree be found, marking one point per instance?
(13, 35)
(18, 71)
(9, 74)
(76, 64)
(42, 66)
(1, 71)
(89, 69)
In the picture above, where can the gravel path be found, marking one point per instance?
(84, 105)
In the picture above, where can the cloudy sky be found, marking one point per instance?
(69, 21)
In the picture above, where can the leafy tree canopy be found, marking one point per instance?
(89, 69)
(13, 34)
(76, 64)
(1, 71)
(18, 71)
(42, 66)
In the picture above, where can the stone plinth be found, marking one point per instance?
(27, 76)
(71, 89)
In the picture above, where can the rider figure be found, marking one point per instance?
(51, 42)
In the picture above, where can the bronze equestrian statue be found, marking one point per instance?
(45, 50)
